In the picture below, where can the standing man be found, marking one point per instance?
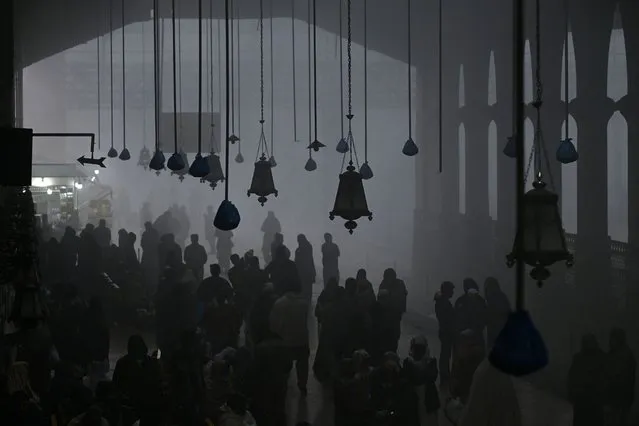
(447, 329)
(330, 259)
(195, 257)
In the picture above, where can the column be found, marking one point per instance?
(592, 109)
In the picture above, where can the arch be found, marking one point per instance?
(617, 64)
(493, 153)
(528, 74)
(462, 168)
(492, 80)
(618, 178)
(569, 209)
(529, 138)
(462, 87)
(572, 71)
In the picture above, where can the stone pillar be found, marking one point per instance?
(592, 109)
(7, 70)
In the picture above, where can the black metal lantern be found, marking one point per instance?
(544, 240)
(216, 174)
(185, 169)
(350, 201)
(262, 183)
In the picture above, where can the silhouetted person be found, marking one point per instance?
(132, 261)
(168, 251)
(470, 309)
(397, 290)
(586, 383)
(69, 246)
(102, 235)
(330, 259)
(420, 369)
(53, 262)
(209, 229)
(278, 241)
(386, 326)
(270, 227)
(365, 293)
(150, 256)
(96, 336)
(145, 214)
(195, 257)
(238, 278)
(259, 327)
(497, 309)
(330, 312)
(89, 260)
(165, 223)
(359, 320)
(447, 327)
(305, 265)
(282, 270)
(620, 375)
(469, 353)
(214, 288)
(224, 248)
(289, 320)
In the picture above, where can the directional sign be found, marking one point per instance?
(95, 161)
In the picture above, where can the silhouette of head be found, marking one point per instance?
(390, 274)
(235, 259)
(447, 289)
(293, 286)
(254, 262)
(102, 223)
(332, 283)
(361, 274)
(470, 284)
(215, 270)
(328, 238)
(136, 347)
(491, 287)
(351, 286)
(170, 238)
(148, 226)
(282, 253)
(418, 347)
(195, 238)
(279, 238)
(89, 228)
(301, 239)
(617, 338)
(132, 238)
(589, 344)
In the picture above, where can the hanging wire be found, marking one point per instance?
(310, 78)
(366, 81)
(239, 80)
(179, 73)
(352, 153)
(262, 146)
(99, 80)
(566, 75)
(410, 74)
(199, 78)
(233, 70)
(272, 80)
(156, 84)
(219, 67)
(209, 70)
(294, 71)
(111, 66)
(341, 66)
(228, 101)
(315, 67)
(440, 86)
(123, 81)
(144, 118)
(175, 104)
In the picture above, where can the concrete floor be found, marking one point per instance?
(538, 408)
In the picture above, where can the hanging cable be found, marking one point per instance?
(310, 77)
(175, 100)
(440, 86)
(219, 67)
(272, 80)
(566, 72)
(341, 66)
(410, 73)
(228, 101)
(199, 78)
(156, 84)
(179, 73)
(209, 71)
(111, 68)
(144, 118)
(239, 81)
(99, 80)
(315, 67)
(123, 81)
(232, 71)
(366, 82)
(294, 71)
(349, 53)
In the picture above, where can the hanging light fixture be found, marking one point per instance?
(227, 217)
(510, 150)
(294, 61)
(365, 171)
(185, 170)
(410, 148)
(311, 165)
(239, 158)
(233, 138)
(342, 145)
(144, 157)
(158, 160)
(176, 161)
(271, 159)
(112, 151)
(262, 183)
(125, 155)
(566, 151)
(316, 144)
(200, 166)
(350, 201)
(98, 37)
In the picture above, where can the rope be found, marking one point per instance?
(199, 78)
(410, 74)
(440, 87)
(156, 83)
(349, 53)
(566, 72)
(294, 71)
(175, 113)
(272, 81)
(123, 81)
(99, 82)
(365, 81)
(111, 65)
(310, 79)
(228, 101)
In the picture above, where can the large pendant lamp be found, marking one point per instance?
(158, 160)
(342, 145)
(566, 151)
(145, 155)
(125, 155)
(262, 183)
(176, 161)
(410, 148)
(365, 171)
(350, 201)
(112, 151)
(316, 144)
(200, 166)
(227, 217)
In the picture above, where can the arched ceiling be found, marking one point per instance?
(46, 27)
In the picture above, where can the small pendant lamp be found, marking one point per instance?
(365, 170)
(113, 153)
(310, 165)
(176, 161)
(227, 217)
(158, 160)
(342, 145)
(200, 166)
(184, 170)
(566, 151)
(125, 155)
(350, 201)
(510, 150)
(316, 144)
(262, 183)
(239, 158)
(410, 148)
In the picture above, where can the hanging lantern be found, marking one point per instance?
(272, 161)
(350, 201)
(157, 162)
(566, 152)
(227, 217)
(200, 166)
(262, 184)
(316, 145)
(184, 170)
(510, 150)
(310, 165)
(215, 174)
(342, 146)
(176, 162)
(239, 158)
(544, 241)
(366, 171)
(410, 148)
(112, 153)
(125, 155)
(145, 157)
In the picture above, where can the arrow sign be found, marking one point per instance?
(95, 161)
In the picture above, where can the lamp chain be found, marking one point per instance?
(349, 53)
(262, 63)
(233, 67)
(310, 79)
(294, 71)
(99, 100)
(144, 108)
(272, 75)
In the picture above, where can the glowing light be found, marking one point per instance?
(96, 171)
(41, 182)
(78, 185)
(49, 191)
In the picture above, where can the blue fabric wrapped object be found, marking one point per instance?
(410, 148)
(227, 217)
(310, 165)
(510, 150)
(366, 171)
(566, 152)
(112, 153)
(125, 155)
(199, 167)
(176, 162)
(342, 146)
(519, 349)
